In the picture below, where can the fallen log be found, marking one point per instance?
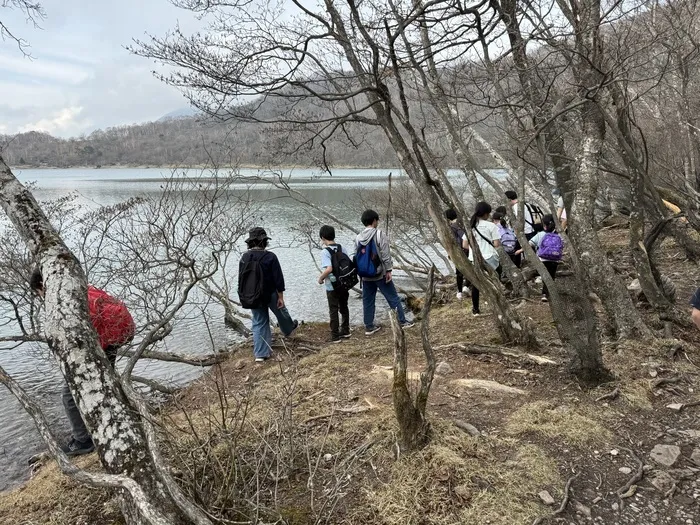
(194, 360)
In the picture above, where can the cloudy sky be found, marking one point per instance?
(80, 77)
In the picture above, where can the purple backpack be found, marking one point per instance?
(551, 247)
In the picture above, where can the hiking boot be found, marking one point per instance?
(78, 448)
(459, 296)
(372, 330)
(408, 324)
(291, 334)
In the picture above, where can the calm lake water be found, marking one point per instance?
(37, 372)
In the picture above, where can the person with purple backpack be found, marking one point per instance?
(508, 239)
(550, 249)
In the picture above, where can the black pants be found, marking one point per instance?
(338, 304)
(552, 269)
(461, 281)
(517, 259)
(475, 293)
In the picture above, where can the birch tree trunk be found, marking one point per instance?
(114, 423)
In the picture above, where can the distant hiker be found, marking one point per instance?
(340, 276)
(508, 240)
(374, 267)
(550, 249)
(459, 236)
(532, 215)
(487, 239)
(115, 327)
(695, 303)
(261, 289)
(561, 211)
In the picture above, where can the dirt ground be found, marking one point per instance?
(632, 457)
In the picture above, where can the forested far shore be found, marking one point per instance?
(193, 142)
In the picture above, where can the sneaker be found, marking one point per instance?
(78, 448)
(336, 340)
(459, 296)
(346, 335)
(465, 290)
(296, 325)
(475, 312)
(408, 324)
(373, 330)
(261, 359)
(545, 299)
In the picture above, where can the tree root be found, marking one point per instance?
(470, 348)
(623, 492)
(564, 502)
(611, 395)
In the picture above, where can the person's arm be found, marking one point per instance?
(495, 236)
(385, 254)
(695, 316)
(277, 279)
(327, 266)
(465, 242)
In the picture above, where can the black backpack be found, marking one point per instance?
(251, 282)
(537, 214)
(459, 233)
(344, 270)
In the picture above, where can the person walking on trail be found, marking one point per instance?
(561, 210)
(549, 247)
(458, 233)
(261, 289)
(695, 312)
(374, 267)
(532, 215)
(339, 276)
(488, 239)
(508, 240)
(115, 327)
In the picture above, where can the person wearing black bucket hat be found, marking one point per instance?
(261, 289)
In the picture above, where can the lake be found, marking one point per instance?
(35, 369)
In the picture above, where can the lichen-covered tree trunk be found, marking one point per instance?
(114, 423)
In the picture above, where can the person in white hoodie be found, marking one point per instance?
(374, 266)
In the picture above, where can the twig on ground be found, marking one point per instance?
(665, 381)
(611, 395)
(564, 502)
(623, 492)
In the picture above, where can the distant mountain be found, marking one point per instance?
(179, 113)
(180, 139)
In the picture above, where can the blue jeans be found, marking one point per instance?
(262, 334)
(369, 296)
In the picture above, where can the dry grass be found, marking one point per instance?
(462, 480)
(53, 499)
(562, 422)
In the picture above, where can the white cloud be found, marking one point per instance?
(62, 122)
(42, 69)
(82, 78)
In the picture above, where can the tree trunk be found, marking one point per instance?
(121, 442)
(414, 428)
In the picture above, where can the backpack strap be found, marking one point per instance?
(529, 209)
(482, 236)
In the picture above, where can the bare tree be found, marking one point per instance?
(348, 59)
(32, 12)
